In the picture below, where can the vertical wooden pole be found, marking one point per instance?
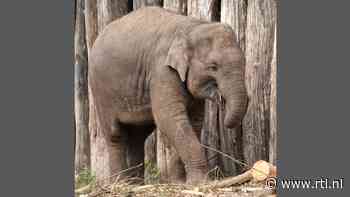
(234, 13)
(202, 9)
(81, 103)
(90, 22)
(273, 104)
(109, 10)
(179, 6)
(142, 3)
(261, 16)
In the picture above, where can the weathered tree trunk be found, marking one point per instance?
(261, 16)
(107, 11)
(210, 133)
(151, 171)
(203, 9)
(90, 22)
(234, 13)
(81, 103)
(179, 6)
(273, 104)
(142, 3)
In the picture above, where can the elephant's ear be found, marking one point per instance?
(178, 57)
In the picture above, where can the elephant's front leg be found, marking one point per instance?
(171, 116)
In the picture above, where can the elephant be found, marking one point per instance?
(154, 67)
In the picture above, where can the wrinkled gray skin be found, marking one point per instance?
(153, 67)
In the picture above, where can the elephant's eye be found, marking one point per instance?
(213, 67)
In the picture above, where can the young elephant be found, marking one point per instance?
(153, 66)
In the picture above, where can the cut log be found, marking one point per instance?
(262, 170)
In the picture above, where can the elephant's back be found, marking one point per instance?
(134, 34)
(131, 41)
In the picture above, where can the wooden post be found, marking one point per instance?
(273, 103)
(90, 23)
(234, 13)
(108, 10)
(81, 103)
(202, 9)
(179, 6)
(142, 3)
(209, 133)
(261, 16)
(151, 170)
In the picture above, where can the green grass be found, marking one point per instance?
(85, 177)
(153, 173)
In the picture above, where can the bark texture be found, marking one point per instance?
(108, 10)
(179, 6)
(142, 3)
(234, 13)
(273, 104)
(151, 173)
(261, 16)
(81, 103)
(201, 9)
(90, 22)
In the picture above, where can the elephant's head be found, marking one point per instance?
(209, 61)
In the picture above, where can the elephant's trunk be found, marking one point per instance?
(234, 93)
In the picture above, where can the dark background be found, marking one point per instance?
(36, 98)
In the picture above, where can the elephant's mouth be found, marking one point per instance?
(217, 97)
(211, 91)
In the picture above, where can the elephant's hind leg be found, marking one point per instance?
(108, 153)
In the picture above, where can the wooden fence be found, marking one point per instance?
(254, 22)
